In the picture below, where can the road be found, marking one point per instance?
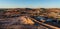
(20, 22)
(47, 25)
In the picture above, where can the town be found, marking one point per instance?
(30, 18)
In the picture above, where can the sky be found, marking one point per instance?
(29, 3)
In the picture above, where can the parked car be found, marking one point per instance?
(39, 18)
(50, 20)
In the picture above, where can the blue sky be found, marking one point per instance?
(30, 3)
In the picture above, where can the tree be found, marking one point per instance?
(43, 10)
(28, 9)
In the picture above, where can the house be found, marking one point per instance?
(55, 13)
